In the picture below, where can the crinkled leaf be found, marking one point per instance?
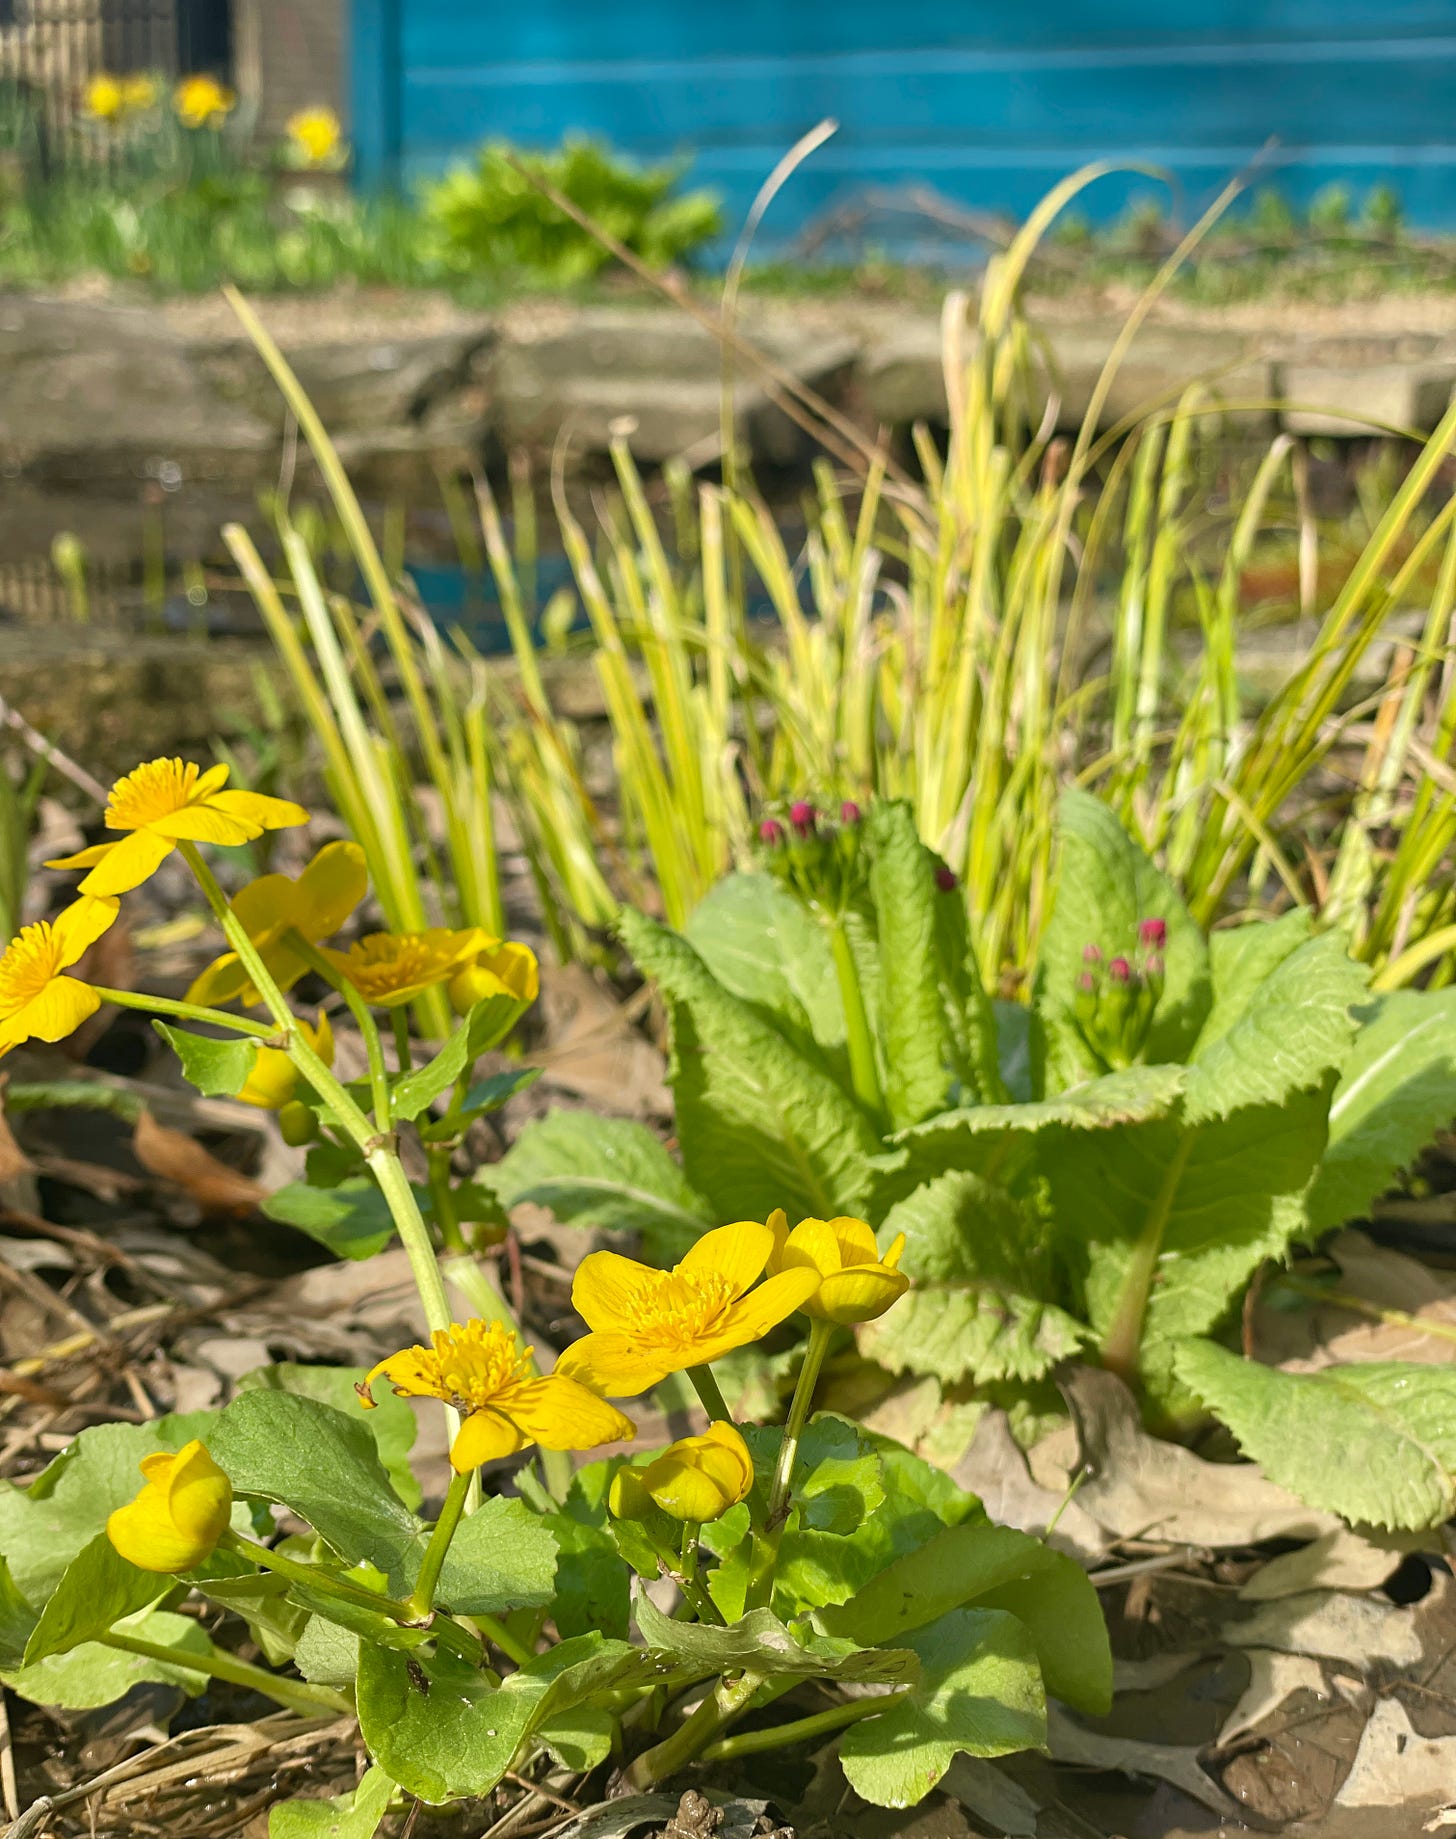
(352, 1220)
(391, 1423)
(99, 1587)
(1374, 1443)
(914, 1023)
(218, 1068)
(604, 1172)
(1397, 1089)
(443, 1731)
(1105, 884)
(760, 1641)
(992, 1567)
(761, 1126)
(978, 1306)
(92, 1675)
(1240, 958)
(355, 1815)
(980, 1692)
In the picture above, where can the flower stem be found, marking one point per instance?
(297, 1694)
(422, 1599)
(863, 1072)
(710, 1395)
(767, 1543)
(187, 1012)
(496, 1632)
(1122, 1343)
(399, 1017)
(363, 1021)
(751, 1742)
(691, 1737)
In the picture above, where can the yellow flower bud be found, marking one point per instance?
(855, 1283)
(698, 1478)
(627, 1498)
(508, 969)
(274, 1078)
(179, 1516)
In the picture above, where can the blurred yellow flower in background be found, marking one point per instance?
(647, 1323)
(315, 134)
(203, 102)
(390, 968)
(104, 98)
(138, 93)
(162, 803)
(695, 1479)
(274, 1078)
(179, 1516)
(37, 1000)
(855, 1283)
(314, 904)
(482, 1370)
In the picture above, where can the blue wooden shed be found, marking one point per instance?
(986, 103)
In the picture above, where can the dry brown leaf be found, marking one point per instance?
(592, 1049)
(1071, 1742)
(14, 1163)
(1339, 1560)
(1396, 1767)
(212, 1184)
(1273, 1678)
(1421, 1306)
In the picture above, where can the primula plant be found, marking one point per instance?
(1098, 1174)
(744, 1588)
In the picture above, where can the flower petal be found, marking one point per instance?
(210, 783)
(613, 1365)
(738, 1252)
(271, 1083)
(205, 824)
(856, 1240)
(257, 809)
(774, 1301)
(559, 1413)
(81, 925)
(892, 1257)
(128, 864)
(266, 905)
(57, 1011)
(329, 889)
(145, 1537)
(604, 1290)
(860, 1293)
(407, 1371)
(485, 1436)
(223, 981)
(83, 858)
(812, 1245)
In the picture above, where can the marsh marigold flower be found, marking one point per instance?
(647, 1323)
(202, 102)
(506, 968)
(179, 1516)
(482, 1370)
(697, 1478)
(104, 98)
(274, 1078)
(37, 1000)
(314, 905)
(390, 968)
(138, 94)
(855, 1283)
(316, 134)
(166, 802)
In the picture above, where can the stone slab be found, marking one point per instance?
(1365, 400)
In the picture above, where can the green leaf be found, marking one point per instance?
(17, 1619)
(444, 1732)
(326, 1653)
(580, 1738)
(978, 1307)
(352, 1220)
(1396, 1090)
(837, 1476)
(760, 1126)
(760, 944)
(980, 1692)
(992, 1567)
(484, 1096)
(1240, 958)
(99, 1587)
(218, 1068)
(92, 1675)
(391, 1423)
(914, 1023)
(417, 1091)
(604, 1172)
(761, 1641)
(1105, 884)
(502, 1557)
(1374, 1443)
(262, 1599)
(355, 1815)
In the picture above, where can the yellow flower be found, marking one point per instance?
(390, 968)
(697, 1478)
(855, 1283)
(105, 98)
(647, 1323)
(314, 906)
(481, 1369)
(202, 102)
(138, 94)
(507, 969)
(37, 1000)
(274, 1078)
(179, 1516)
(163, 803)
(316, 134)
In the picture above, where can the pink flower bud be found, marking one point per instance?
(1154, 966)
(1087, 983)
(945, 879)
(1120, 971)
(849, 812)
(803, 817)
(1090, 954)
(1153, 934)
(771, 833)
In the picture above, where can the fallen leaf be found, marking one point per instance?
(995, 1800)
(1139, 1487)
(1340, 1560)
(1398, 1768)
(592, 1049)
(1329, 1333)
(1273, 1678)
(14, 1163)
(212, 1184)
(1069, 1741)
(995, 1469)
(1334, 1625)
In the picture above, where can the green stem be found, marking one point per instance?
(710, 1395)
(863, 1072)
(363, 1021)
(442, 1194)
(297, 1694)
(1123, 1340)
(802, 1730)
(496, 1632)
(414, 1234)
(422, 1599)
(691, 1737)
(768, 1541)
(187, 1012)
(399, 1017)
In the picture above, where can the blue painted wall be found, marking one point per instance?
(987, 103)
